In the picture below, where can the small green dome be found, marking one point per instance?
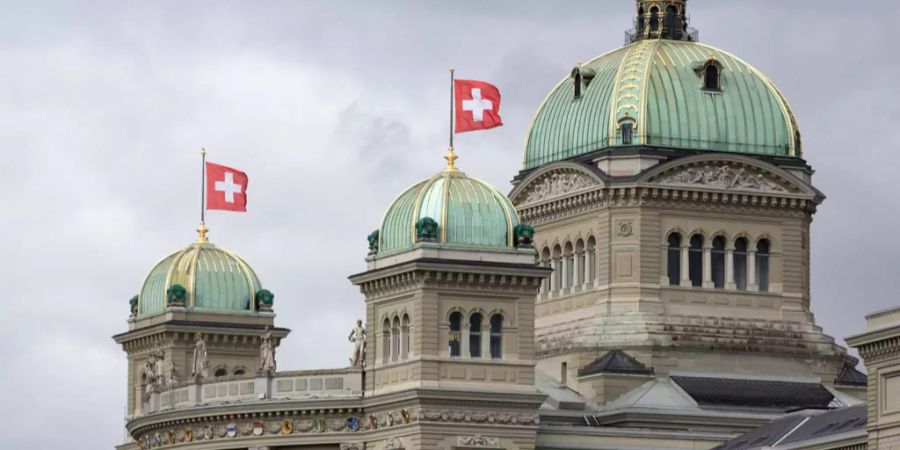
(468, 212)
(215, 279)
(658, 86)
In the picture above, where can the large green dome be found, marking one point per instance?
(469, 212)
(657, 84)
(215, 280)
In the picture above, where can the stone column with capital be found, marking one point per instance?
(751, 271)
(685, 265)
(707, 267)
(729, 268)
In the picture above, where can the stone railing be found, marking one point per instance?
(295, 385)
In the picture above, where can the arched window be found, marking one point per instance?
(718, 261)
(762, 264)
(475, 335)
(672, 28)
(239, 372)
(711, 78)
(591, 266)
(654, 19)
(395, 339)
(695, 260)
(220, 372)
(640, 21)
(455, 333)
(740, 263)
(545, 262)
(673, 259)
(404, 331)
(386, 341)
(496, 336)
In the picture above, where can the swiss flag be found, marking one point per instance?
(226, 188)
(477, 105)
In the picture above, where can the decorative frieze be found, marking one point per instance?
(478, 441)
(556, 184)
(723, 176)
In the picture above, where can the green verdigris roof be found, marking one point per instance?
(469, 212)
(657, 85)
(216, 279)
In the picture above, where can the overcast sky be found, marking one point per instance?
(332, 108)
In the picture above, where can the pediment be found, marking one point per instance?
(727, 174)
(554, 182)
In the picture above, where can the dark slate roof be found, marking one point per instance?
(785, 395)
(812, 425)
(615, 361)
(849, 376)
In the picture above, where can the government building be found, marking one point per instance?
(645, 284)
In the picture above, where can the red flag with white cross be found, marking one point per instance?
(477, 105)
(226, 188)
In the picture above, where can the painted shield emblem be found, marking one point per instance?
(373, 423)
(353, 423)
(404, 415)
(231, 430)
(157, 440)
(188, 434)
(390, 418)
(258, 428)
(287, 426)
(208, 432)
(319, 425)
(170, 437)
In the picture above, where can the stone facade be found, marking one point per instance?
(879, 347)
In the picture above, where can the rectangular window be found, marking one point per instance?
(627, 133)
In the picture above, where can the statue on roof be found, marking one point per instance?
(358, 338)
(266, 353)
(200, 362)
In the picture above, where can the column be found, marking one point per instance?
(590, 265)
(554, 277)
(707, 267)
(729, 268)
(578, 270)
(564, 274)
(685, 266)
(464, 336)
(751, 271)
(486, 338)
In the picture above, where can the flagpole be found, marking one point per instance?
(201, 232)
(451, 156)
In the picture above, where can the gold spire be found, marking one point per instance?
(451, 160)
(201, 233)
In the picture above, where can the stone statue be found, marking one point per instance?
(266, 353)
(264, 300)
(148, 376)
(171, 375)
(200, 363)
(358, 338)
(159, 365)
(427, 229)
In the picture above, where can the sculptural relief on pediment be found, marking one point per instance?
(555, 184)
(723, 176)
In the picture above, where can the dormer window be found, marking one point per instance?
(626, 131)
(710, 73)
(581, 78)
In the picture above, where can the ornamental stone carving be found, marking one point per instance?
(478, 441)
(557, 184)
(722, 177)
(393, 443)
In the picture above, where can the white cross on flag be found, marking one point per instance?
(477, 105)
(226, 188)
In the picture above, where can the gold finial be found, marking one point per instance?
(202, 151)
(201, 233)
(451, 160)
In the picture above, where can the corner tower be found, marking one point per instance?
(449, 286)
(666, 185)
(201, 291)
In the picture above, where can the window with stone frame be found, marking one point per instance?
(455, 335)
(673, 259)
(475, 335)
(496, 336)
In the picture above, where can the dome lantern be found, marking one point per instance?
(661, 19)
